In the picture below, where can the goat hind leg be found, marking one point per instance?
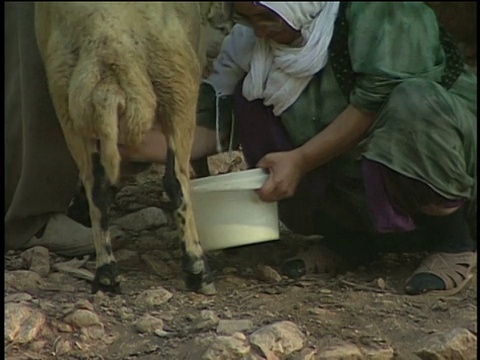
(98, 194)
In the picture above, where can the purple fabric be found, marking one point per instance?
(385, 218)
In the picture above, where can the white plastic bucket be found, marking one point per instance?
(229, 213)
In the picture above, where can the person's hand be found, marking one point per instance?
(286, 170)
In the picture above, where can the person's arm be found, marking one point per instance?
(154, 146)
(287, 168)
(344, 133)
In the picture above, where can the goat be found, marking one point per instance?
(114, 70)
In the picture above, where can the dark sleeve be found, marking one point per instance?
(208, 105)
(390, 42)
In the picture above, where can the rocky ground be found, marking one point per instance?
(256, 314)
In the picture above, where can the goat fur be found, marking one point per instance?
(115, 70)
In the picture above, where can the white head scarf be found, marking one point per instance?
(279, 73)
(276, 73)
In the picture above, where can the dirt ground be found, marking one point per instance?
(365, 307)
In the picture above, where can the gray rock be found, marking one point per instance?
(18, 297)
(22, 323)
(162, 333)
(82, 318)
(321, 312)
(73, 268)
(88, 322)
(128, 344)
(154, 297)
(305, 354)
(458, 344)
(65, 288)
(82, 274)
(227, 314)
(342, 351)
(126, 314)
(146, 243)
(235, 347)
(194, 349)
(47, 306)
(62, 347)
(156, 266)
(171, 236)
(23, 280)
(100, 298)
(84, 304)
(95, 332)
(59, 278)
(267, 273)
(126, 198)
(378, 352)
(148, 324)
(62, 326)
(14, 262)
(38, 345)
(278, 340)
(381, 283)
(148, 218)
(125, 255)
(229, 327)
(207, 319)
(38, 260)
(230, 347)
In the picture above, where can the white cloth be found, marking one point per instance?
(274, 72)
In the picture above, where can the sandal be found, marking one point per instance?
(455, 270)
(318, 259)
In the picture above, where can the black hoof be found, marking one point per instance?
(106, 279)
(198, 276)
(294, 269)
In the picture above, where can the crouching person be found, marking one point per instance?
(369, 140)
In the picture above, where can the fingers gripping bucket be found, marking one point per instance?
(229, 213)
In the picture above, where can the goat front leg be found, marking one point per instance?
(97, 189)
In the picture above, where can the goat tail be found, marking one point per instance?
(113, 105)
(110, 156)
(109, 104)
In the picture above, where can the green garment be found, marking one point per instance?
(422, 130)
(444, 152)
